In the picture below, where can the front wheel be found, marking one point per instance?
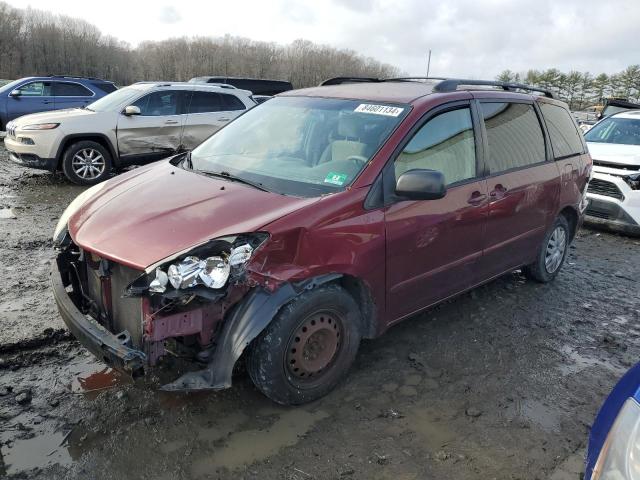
(552, 253)
(307, 348)
(86, 163)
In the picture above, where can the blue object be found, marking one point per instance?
(628, 386)
(41, 94)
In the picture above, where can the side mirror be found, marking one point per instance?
(131, 110)
(421, 184)
(14, 93)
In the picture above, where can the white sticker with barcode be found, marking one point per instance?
(379, 109)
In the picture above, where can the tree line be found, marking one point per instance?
(35, 42)
(582, 89)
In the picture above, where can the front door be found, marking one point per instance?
(155, 133)
(433, 246)
(523, 186)
(32, 97)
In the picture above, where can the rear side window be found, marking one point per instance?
(565, 139)
(65, 89)
(204, 102)
(158, 104)
(446, 144)
(231, 102)
(105, 87)
(514, 135)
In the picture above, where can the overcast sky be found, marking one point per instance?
(469, 38)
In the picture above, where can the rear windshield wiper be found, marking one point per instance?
(233, 178)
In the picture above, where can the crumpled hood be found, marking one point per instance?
(53, 116)
(615, 153)
(150, 213)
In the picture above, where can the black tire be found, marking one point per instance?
(539, 270)
(97, 166)
(271, 356)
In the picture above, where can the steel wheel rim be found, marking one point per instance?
(314, 346)
(555, 249)
(88, 163)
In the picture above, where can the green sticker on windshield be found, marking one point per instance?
(335, 178)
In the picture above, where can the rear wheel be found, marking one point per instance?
(307, 348)
(86, 163)
(552, 252)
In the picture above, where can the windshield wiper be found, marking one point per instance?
(233, 178)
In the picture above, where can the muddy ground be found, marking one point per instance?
(501, 383)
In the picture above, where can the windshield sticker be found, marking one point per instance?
(379, 109)
(335, 178)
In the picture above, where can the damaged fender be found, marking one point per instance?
(245, 323)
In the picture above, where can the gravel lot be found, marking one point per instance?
(500, 383)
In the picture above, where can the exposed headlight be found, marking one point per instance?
(620, 455)
(61, 228)
(633, 181)
(40, 126)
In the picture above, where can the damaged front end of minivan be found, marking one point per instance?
(207, 301)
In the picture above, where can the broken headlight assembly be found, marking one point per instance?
(633, 181)
(204, 268)
(61, 230)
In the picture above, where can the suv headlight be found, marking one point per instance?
(40, 126)
(620, 454)
(61, 228)
(209, 265)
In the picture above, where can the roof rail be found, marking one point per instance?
(77, 76)
(341, 80)
(452, 84)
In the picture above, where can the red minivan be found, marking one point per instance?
(316, 219)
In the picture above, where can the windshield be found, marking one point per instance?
(114, 100)
(11, 85)
(625, 131)
(300, 145)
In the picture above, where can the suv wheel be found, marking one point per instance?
(307, 348)
(86, 163)
(552, 253)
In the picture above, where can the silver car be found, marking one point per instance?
(137, 124)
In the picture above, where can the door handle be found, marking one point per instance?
(498, 191)
(225, 119)
(171, 122)
(476, 198)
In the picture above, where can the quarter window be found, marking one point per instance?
(565, 139)
(65, 89)
(514, 136)
(446, 144)
(158, 104)
(231, 102)
(35, 89)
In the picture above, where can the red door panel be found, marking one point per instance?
(433, 247)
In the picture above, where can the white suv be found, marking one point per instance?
(137, 124)
(614, 190)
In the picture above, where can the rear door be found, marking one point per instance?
(523, 184)
(33, 97)
(208, 112)
(433, 246)
(157, 131)
(71, 95)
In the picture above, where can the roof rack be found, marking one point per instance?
(452, 84)
(77, 76)
(443, 85)
(341, 80)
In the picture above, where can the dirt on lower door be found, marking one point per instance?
(502, 382)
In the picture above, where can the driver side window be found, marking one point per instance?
(445, 144)
(158, 104)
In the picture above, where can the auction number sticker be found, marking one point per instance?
(379, 109)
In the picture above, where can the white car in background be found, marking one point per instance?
(614, 190)
(138, 124)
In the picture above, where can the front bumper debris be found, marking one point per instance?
(114, 350)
